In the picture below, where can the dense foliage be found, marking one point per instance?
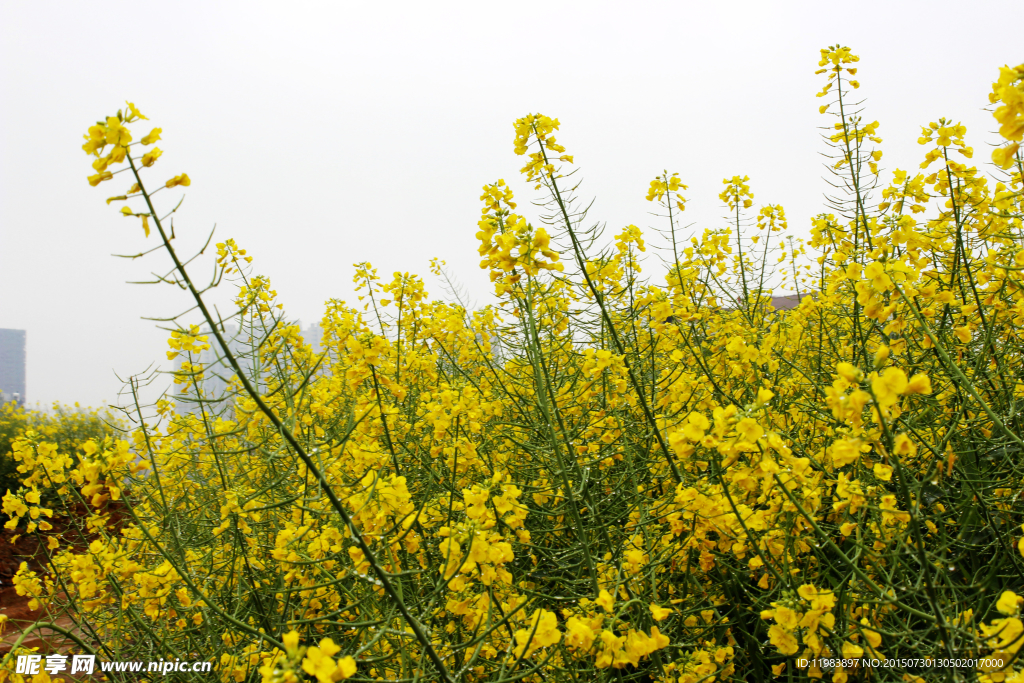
(67, 427)
(600, 477)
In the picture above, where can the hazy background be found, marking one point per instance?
(322, 134)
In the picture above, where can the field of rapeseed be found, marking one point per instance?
(599, 478)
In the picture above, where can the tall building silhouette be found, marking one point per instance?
(12, 366)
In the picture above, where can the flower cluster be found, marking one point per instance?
(511, 247)
(1008, 93)
(539, 128)
(114, 135)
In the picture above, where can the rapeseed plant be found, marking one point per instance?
(599, 477)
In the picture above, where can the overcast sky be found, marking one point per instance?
(322, 134)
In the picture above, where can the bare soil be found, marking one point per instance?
(28, 549)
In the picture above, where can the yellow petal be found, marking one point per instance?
(1007, 603)
(346, 668)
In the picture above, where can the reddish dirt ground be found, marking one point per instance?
(28, 549)
(15, 607)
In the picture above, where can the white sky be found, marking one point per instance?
(322, 134)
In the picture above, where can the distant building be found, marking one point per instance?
(313, 335)
(786, 302)
(217, 372)
(12, 366)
